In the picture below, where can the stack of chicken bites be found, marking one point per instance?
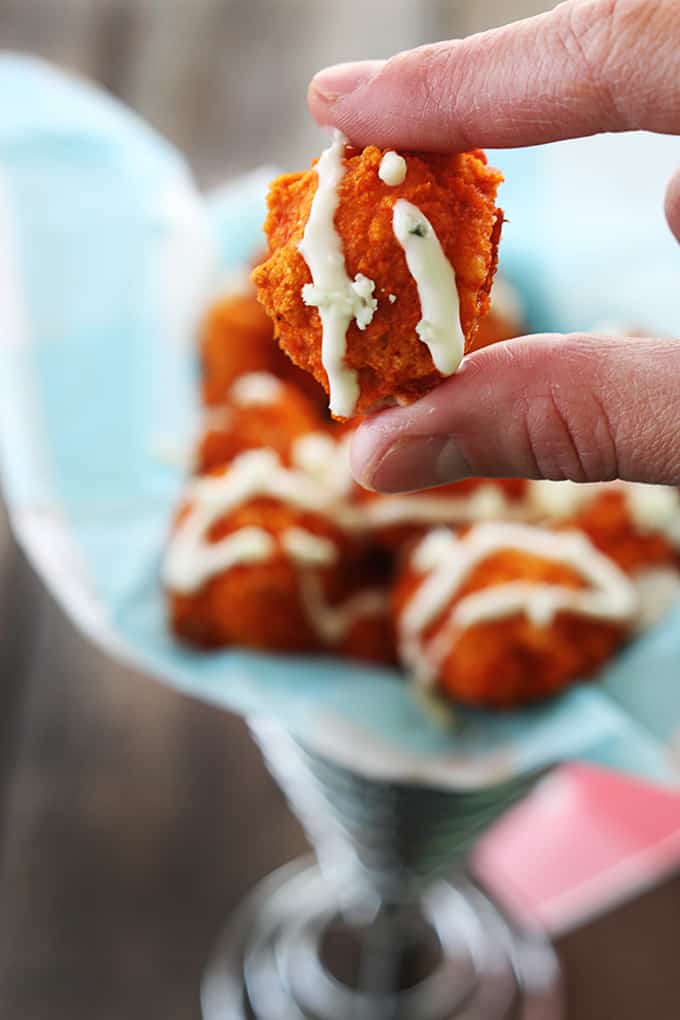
(494, 592)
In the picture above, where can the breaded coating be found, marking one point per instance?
(456, 193)
(236, 339)
(609, 525)
(274, 425)
(511, 661)
(255, 605)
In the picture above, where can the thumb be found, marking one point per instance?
(584, 67)
(584, 408)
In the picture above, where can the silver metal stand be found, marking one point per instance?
(374, 929)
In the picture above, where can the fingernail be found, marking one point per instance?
(339, 80)
(419, 463)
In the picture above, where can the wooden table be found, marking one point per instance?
(134, 818)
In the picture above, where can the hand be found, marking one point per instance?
(580, 407)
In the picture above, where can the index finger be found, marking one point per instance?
(585, 67)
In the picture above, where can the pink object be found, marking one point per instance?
(585, 840)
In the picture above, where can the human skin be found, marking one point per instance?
(587, 408)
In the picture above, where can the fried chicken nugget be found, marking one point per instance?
(256, 603)
(242, 542)
(636, 525)
(237, 339)
(261, 555)
(388, 260)
(611, 527)
(261, 411)
(507, 614)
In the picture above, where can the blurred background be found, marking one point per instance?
(133, 819)
(225, 80)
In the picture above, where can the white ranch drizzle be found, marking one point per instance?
(338, 298)
(392, 169)
(651, 507)
(448, 561)
(308, 549)
(333, 623)
(654, 508)
(658, 589)
(324, 459)
(439, 327)
(485, 503)
(313, 452)
(256, 389)
(557, 500)
(191, 559)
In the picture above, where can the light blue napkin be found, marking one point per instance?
(108, 255)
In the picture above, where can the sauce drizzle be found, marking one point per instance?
(392, 169)
(191, 559)
(256, 389)
(439, 327)
(448, 561)
(338, 298)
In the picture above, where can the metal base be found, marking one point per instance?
(292, 953)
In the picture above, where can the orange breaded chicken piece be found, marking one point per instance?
(243, 423)
(255, 605)
(512, 660)
(608, 523)
(456, 193)
(236, 339)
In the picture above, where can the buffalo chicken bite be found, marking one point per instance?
(256, 558)
(505, 614)
(379, 269)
